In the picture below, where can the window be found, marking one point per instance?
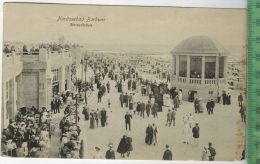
(55, 73)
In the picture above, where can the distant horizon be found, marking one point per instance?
(149, 49)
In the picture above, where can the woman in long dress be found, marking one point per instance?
(92, 120)
(122, 147)
(186, 130)
(180, 95)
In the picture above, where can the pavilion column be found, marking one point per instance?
(217, 67)
(203, 70)
(177, 65)
(188, 68)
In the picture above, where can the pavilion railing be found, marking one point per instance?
(195, 81)
(210, 81)
(199, 81)
(182, 79)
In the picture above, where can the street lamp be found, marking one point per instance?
(76, 110)
(85, 70)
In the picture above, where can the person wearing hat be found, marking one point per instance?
(98, 154)
(212, 102)
(196, 133)
(85, 112)
(173, 116)
(169, 118)
(128, 118)
(103, 119)
(110, 153)
(208, 106)
(212, 152)
(167, 155)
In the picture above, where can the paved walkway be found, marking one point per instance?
(221, 128)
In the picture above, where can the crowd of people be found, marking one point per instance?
(71, 145)
(29, 134)
(129, 83)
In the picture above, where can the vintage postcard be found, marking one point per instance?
(123, 82)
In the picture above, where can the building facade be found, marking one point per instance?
(32, 79)
(199, 67)
(11, 86)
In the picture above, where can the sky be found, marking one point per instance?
(157, 29)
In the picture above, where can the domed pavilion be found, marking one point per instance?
(199, 68)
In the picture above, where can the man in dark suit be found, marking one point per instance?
(57, 105)
(128, 118)
(121, 98)
(126, 99)
(167, 155)
(99, 95)
(53, 106)
(142, 108)
(212, 106)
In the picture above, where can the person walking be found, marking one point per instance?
(224, 98)
(53, 109)
(212, 152)
(168, 118)
(148, 108)
(126, 100)
(208, 106)
(110, 153)
(121, 98)
(180, 96)
(242, 112)
(167, 155)
(128, 118)
(155, 131)
(149, 135)
(92, 120)
(122, 146)
(176, 102)
(108, 87)
(196, 133)
(97, 117)
(173, 115)
(142, 108)
(196, 105)
(240, 99)
(103, 114)
(99, 96)
(212, 106)
(85, 112)
(186, 130)
(57, 105)
(129, 145)
(155, 108)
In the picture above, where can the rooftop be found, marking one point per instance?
(200, 45)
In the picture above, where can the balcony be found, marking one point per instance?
(199, 81)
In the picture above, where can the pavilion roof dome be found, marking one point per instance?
(203, 45)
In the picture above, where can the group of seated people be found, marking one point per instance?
(70, 134)
(28, 134)
(8, 49)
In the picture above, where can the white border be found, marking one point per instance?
(176, 3)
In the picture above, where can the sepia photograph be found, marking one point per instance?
(123, 82)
